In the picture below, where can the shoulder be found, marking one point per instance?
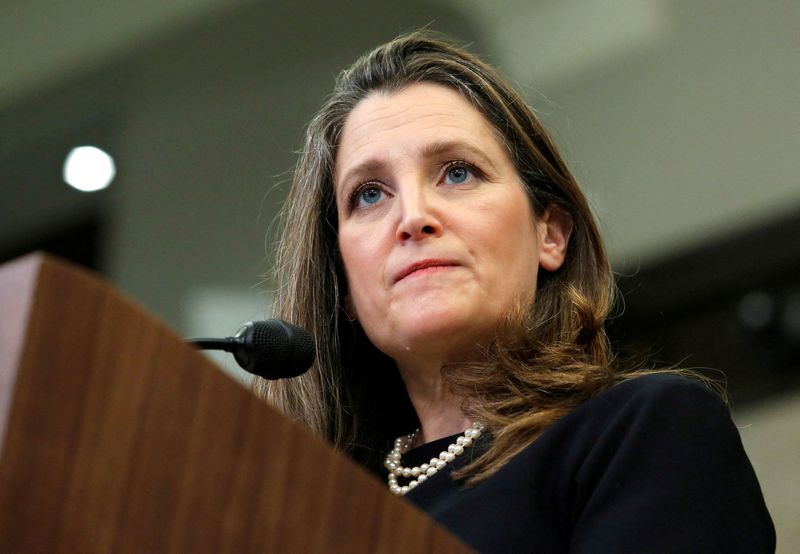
(661, 387)
(659, 448)
(659, 396)
(644, 421)
(663, 431)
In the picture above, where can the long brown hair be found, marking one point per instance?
(547, 359)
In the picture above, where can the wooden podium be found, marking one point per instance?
(116, 436)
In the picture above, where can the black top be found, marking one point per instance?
(653, 464)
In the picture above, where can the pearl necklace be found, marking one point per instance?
(421, 473)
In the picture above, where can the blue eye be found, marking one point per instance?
(457, 175)
(369, 196)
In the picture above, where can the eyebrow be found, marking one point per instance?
(438, 148)
(456, 147)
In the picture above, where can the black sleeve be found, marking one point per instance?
(667, 473)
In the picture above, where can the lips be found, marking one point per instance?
(423, 264)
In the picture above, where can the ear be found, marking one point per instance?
(350, 308)
(554, 227)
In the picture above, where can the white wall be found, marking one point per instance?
(771, 436)
(697, 139)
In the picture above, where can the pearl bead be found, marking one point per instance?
(402, 444)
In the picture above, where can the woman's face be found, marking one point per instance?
(436, 232)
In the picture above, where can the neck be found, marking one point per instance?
(439, 410)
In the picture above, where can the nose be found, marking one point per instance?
(418, 218)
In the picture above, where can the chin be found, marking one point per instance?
(436, 333)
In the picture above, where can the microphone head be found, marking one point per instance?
(274, 349)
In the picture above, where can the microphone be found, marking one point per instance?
(272, 349)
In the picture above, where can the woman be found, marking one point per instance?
(453, 275)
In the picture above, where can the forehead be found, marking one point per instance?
(405, 121)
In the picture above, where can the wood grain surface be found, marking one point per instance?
(121, 438)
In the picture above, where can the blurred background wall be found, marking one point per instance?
(680, 118)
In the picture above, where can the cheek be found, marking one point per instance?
(514, 247)
(517, 269)
(362, 262)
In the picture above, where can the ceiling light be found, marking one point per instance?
(89, 169)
